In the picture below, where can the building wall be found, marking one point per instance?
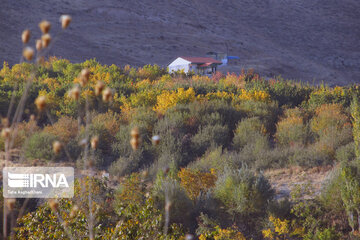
(179, 64)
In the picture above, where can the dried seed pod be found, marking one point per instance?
(168, 206)
(94, 142)
(189, 236)
(134, 142)
(38, 44)
(28, 53)
(5, 122)
(5, 132)
(45, 40)
(99, 87)
(107, 94)
(90, 163)
(45, 26)
(145, 173)
(83, 142)
(25, 36)
(155, 140)
(166, 170)
(84, 76)
(57, 146)
(74, 93)
(10, 203)
(73, 211)
(135, 132)
(40, 103)
(54, 204)
(65, 21)
(32, 117)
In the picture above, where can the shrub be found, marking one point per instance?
(329, 117)
(355, 113)
(39, 146)
(217, 160)
(248, 131)
(266, 112)
(346, 153)
(327, 95)
(169, 191)
(169, 99)
(196, 182)
(136, 161)
(242, 192)
(66, 128)
(210, 135)
(309, 157)
(292, 129)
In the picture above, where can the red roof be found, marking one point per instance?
(205, 64)
(201, 60)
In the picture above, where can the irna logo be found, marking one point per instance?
(16, 180)
(38, 182)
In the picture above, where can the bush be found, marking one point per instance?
(181, 207)
(345, 153)
(39, 146)
(292, 129)
(66, 128)
(309, 157)
(210, 135)
(136, 161)
(329, 117)
(266, 112)
(248, 131)
(242, 192)
(218, 160)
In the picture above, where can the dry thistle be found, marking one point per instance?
(168, 206)
(84, 76)
(28, 53)
(54, 204)
(107, 94)
(65, 21)
(5, 133)
(40, 103)
(45, 40)
(189, 236)
(5, 122)
(83, 142)
(25, 36)
(38, 44)
(135, 132)
(57, 146)
(94, 142)
(99, 87)
(73, 211)
(44, 26)
(90, 163)
(10, 203)
(134, 142)
(32, 117)
(74, 93)
(155, 140)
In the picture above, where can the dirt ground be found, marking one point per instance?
(308, 40)
(286, 179)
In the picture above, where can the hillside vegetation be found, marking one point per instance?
(185, 153)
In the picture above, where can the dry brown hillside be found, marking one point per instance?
(304, 40)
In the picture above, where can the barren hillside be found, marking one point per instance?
(304, 40)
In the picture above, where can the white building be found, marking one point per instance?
(199, 65)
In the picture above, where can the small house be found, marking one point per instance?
(198, 65)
